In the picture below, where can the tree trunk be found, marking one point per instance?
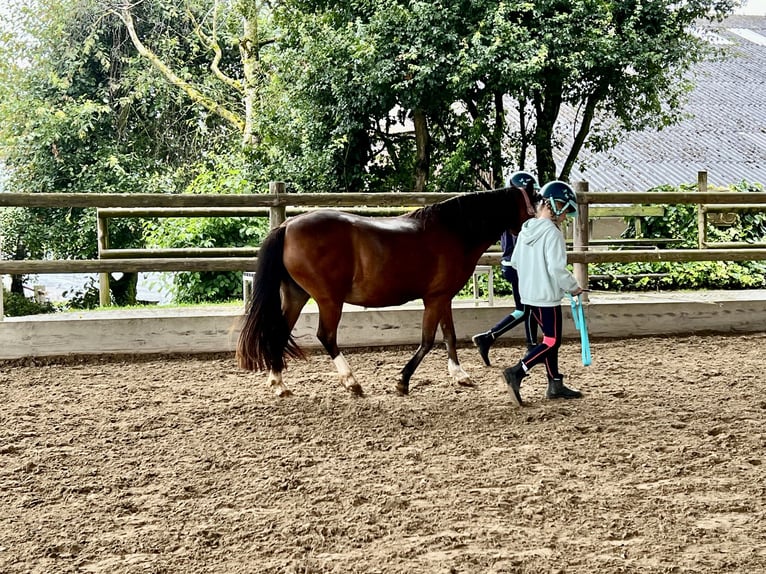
(523, 135)
(496, 145)
(17, 281)
(547, 106)
(248, 48)
(589, 113)
(17, 284)
(423, 150)
(357, 156)
(124, 289)
(193, 93)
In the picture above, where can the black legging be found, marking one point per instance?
(549, 319)
(509, 321)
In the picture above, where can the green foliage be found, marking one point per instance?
(500, 286)
(86, 298)
(81, 112)
(361, 72)
(199, 287)
(224, 175)
(492, 79)
(680, 222)
(15, 305)
(679, 275)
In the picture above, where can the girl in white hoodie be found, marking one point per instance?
(540, 259)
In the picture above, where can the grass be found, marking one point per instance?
(232, 304)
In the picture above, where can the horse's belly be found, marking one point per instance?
(380, 300)
(389, 302)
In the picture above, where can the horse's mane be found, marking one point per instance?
(474, 217)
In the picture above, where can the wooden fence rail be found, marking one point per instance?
(278, 205)
(244, 263)
(153, 200)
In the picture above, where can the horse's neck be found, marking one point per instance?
(481, 247)
(477, 220)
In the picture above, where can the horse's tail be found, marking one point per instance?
(265, 339)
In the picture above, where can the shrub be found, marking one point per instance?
(680, 222)
(15, 305)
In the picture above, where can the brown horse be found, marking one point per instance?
(338, 257)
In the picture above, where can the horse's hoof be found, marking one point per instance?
(466, 383)
(356, 390)
(284, 393)
(402, 389)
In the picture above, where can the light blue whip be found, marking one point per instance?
(578, 314)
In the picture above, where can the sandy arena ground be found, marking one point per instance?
(188, 465)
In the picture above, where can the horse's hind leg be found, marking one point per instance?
(293, 300)
(277, 384)
(327, 333)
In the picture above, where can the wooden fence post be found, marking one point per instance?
(104, 296)
(277, 213)
(2, 296)
(701, 212)
(581, 236)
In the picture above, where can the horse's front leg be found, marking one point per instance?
(327, 333)
(347, 378)
(450, 340)
(431, 316)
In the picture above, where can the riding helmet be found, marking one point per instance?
(524, 180)
(560, 196)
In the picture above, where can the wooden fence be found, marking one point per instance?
(277, 205)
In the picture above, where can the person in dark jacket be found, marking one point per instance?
(485, 340)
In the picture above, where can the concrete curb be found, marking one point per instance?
(215, 330)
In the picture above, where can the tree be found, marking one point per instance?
(53, 120)
(622, 65)
(461, 73)
(388, 95)
(398, 94)
(82, 112)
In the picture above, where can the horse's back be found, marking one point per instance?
(343, 237)
(371, 261)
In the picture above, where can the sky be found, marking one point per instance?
(753, 8)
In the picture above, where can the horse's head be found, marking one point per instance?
(526, 186)
(524, 199)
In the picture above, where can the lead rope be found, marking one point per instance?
(578, 314)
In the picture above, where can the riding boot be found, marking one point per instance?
(483, 342)
(512, 377)
(557, 390)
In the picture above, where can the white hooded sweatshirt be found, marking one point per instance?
(540, 258)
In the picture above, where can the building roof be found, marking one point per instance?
(725, 134)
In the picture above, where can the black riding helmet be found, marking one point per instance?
(524, 180)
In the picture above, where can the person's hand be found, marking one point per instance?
(577, 291)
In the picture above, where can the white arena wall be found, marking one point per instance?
(215, 329)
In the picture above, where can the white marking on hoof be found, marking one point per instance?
(347, 378)
(277, 385)
(457, 373)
